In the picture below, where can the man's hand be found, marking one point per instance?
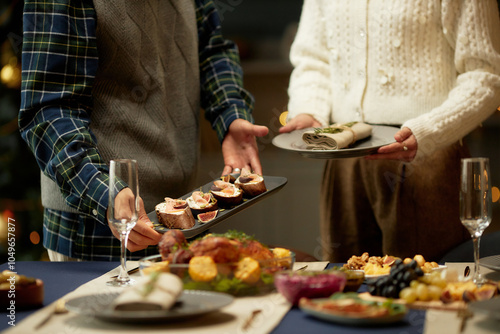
(300, 121)
(239, 147)
(143, 234)
(404, 149)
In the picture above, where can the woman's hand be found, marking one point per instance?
(405, 148)
(301, 121)
(143, 234)
(239, 147)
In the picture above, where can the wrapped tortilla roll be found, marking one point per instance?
(158, 291)
(336, 136)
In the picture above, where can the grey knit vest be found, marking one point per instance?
(146, 95)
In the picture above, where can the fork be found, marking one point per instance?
(59, 308)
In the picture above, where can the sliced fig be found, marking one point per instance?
(180, 205)
(252, 184)
(468, 296)
(215, 188)
(200, 202)
(173, 214)
(446, 297)
(228, 196)
(205, 217)
(388, 260)
(485, 292)
(245, 179)
(228, 178)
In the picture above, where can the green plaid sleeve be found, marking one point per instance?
(59, 63)
(222, 94)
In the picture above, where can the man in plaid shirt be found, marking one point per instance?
(125, 79)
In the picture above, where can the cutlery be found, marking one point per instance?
(59, 308)
(248, 321)
(465, 315)
(302, 268)
(131, 271)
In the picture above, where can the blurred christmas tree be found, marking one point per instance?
(19, 173)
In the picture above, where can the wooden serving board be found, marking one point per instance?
(420, 305)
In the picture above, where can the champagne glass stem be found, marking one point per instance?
(475, 240)
(124, 277)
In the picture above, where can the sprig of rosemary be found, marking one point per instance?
(333, 130)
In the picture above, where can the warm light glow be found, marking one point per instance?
(10, 75)
(3, 229)
(4, 222)
(495, 194)
(283, 117)
(35, 237)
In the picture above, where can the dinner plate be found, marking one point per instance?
(355, 320)
(273, 184)
(381, 135)
(490, 307)
(191, 303)
(491, 262)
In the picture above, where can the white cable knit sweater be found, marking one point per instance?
(430, 65)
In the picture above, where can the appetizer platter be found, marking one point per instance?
(350, 309)
(204, 207)
(381, 135)
(418, 284)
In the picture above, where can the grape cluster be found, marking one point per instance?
(400, 277)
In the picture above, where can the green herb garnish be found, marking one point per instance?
(333, 129)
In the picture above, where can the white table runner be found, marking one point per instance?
(230, 319)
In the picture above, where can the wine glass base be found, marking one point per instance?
(121, 283)
(479, 280)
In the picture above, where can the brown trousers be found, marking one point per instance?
(392, 207)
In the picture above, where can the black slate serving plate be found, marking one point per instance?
(273, 184)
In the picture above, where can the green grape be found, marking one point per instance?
(438, 281)
(414, 284)
(422, 292)
(408, 294)
(434, 292)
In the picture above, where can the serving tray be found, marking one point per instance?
(273, 184)
(382, 135)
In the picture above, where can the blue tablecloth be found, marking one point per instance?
(61, 278)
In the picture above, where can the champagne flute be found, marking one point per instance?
(475, 203)
(123, 209)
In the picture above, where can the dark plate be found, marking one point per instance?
(273, 184)
(491, 262)
(381, 135)
(191, 304)
(490, 307)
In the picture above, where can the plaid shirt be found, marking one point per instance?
(60, 62)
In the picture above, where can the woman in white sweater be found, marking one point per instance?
(430, 67)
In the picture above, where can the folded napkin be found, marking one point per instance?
(336, 136)
(158, 291)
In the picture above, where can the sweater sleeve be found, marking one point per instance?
(222, 94)
(59, 64)
(309, 88)
(472, 30)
